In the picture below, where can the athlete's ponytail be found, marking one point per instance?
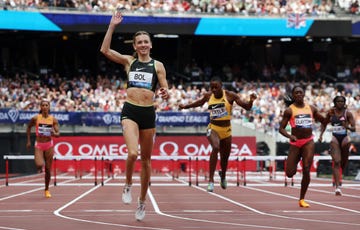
(288, 100)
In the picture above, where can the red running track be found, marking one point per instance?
(173, 204)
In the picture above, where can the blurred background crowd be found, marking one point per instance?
(107, 94)
(241, 7)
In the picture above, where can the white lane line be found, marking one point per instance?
(302, 219)
(24, 193)
(208, 211)
(17, 210)
(307, 211)
(280, 216)
(333, 193)
(131, 211)
(8, 228)
(157, 210)
(107, 210)
(58, 212)
(311, 201)
(20, 194)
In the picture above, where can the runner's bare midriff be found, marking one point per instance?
(222, 123)
(302, 133)
(139, 96)
(43, 139)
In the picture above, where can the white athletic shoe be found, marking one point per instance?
(126, 194)
(338, 192)
(140, 211)
(210, 187)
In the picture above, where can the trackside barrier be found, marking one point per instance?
(237, 172)
(197, 171)
(241, 168)
(54, 173)
(7, 171)
(189, 171)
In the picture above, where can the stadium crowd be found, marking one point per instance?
(107, 93)
(240, 7)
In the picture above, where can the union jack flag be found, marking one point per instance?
(296, 20)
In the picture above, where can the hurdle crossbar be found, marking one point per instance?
(189, 159)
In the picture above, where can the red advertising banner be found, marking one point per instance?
(191, 146)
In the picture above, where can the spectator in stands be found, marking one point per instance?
(46, 127)
(196, 72)
(220, 102)
(341, 120)
(356, 71)
(300, 116)
(354, 7)
(138, 113)
(106, 106)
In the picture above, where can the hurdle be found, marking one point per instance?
(193, 167)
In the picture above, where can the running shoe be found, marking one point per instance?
(210, 187)
(223, 182)
(47, 194)
(126, 195)
(140, 211)
(338, 192)
(303, 204)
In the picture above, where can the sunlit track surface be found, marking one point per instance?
(174, 203)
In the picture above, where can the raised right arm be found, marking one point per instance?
(105, 46)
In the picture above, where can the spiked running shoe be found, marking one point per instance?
(140, 211)
(338, 192)
(126, 194)
(210, 187)
(303, 204)
(223, 182)
(47, 194)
